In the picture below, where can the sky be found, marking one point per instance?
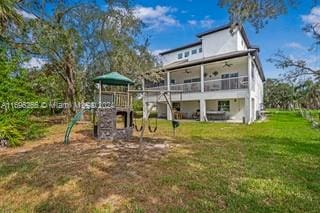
(173, 23)
(170, 24)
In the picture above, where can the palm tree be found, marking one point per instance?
(8, 14)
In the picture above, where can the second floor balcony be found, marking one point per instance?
(208, 85)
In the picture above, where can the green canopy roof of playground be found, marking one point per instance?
(113, 78)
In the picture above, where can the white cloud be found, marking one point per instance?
(34, 63)
(193, 22)
(26, 15)
(207, 22)
(295, 45)
(156, 17)
(313, 17)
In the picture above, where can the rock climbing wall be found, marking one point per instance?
(106, 122)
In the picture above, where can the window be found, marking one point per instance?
(186, 54)
(224, 106)
(234, 80)
(200, 50)
(194, 51)
(172, 81)
(187, 81)
(180, 55)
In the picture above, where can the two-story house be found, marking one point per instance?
(220, 75)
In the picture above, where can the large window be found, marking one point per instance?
(186, 54)
(194, 51)
(180, 55)
(224, 106)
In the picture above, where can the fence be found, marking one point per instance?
(312, 116)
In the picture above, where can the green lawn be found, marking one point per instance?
(315, 114)
(268, 166)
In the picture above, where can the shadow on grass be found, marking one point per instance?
(78, 176)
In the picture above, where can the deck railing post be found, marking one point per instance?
(202, 77)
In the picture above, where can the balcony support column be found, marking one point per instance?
(202, 77)
(169, 113)
(203, 110)
(248, 105)
(248, 111)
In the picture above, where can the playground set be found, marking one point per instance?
(113, 104)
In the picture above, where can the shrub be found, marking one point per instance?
(137, 105)
(11, 134)
(15, 87)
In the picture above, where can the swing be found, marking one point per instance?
(175, 124)
(153, 130)
(135, 124)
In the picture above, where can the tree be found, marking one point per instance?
(278, 94)
(299, 68)
(295, 68)
(307, 94)
(8, 15)
(80, 41)
(257, 12)
(285, 95)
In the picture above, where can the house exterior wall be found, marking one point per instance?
(213, 44)
(257, 91)
(220, 42)
(162, 110)
(236, 108)
(179, 76)
(239, 66)
(241, 44)
(189, 107)
(173, 57)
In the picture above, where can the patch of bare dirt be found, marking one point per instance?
(46, 174)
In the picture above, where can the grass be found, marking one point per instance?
(269, 166)
(315, 114)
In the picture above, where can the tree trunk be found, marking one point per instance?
(71, 84)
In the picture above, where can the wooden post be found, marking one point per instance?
(128, 107)
(100, 98)
(128, 95)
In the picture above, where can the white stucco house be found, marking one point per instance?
(220, 74)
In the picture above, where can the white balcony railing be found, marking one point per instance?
(226, 84)
(210, 85)
(187, 87)
(158, 88)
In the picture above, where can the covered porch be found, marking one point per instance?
(224, 110)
